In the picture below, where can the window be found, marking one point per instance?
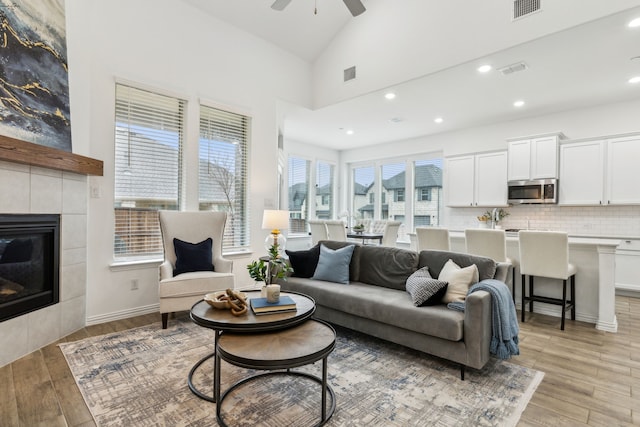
(394, 181)
(299, 173)
(149, 132)
(362, 196)
(399, 195)
(424, 194)
(428, 192)
(222, 172)
(324, 190)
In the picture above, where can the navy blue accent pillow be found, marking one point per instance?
(304, 262)
(193, 256)
(17, 250)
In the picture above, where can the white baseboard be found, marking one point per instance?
(123, 314)
(555, 311)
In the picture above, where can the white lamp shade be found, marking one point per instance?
(275, 220)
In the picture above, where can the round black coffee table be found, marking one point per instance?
(222, 320)
(278, 352)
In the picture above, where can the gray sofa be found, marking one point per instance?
(375, 302)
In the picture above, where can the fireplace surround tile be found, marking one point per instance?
(73, 281)
(74, 194)
(74, 232)
(43, 324)
(72, 315)
(46, 193)
(14, 187)
(14, 339)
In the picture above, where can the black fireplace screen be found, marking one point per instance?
(29, 263)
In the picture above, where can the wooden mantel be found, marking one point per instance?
(14, 150)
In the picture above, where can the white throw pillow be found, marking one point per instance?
(459, 279)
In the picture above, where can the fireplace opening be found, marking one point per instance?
(29, 263)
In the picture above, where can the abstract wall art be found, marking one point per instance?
(34, 80)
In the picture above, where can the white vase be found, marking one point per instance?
(483, 224)
(263, 291)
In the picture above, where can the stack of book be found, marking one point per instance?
(261, 306)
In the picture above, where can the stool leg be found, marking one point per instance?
(564, 303)
(531, 294)
(523, 279)
(513, 283)
(573, 297)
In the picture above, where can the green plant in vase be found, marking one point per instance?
(272, 270)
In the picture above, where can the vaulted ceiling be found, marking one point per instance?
(578, 53)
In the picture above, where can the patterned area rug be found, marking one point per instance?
(139, 378)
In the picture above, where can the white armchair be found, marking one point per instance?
(180, 292)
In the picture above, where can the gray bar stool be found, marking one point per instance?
(546, 254)
(491, 244)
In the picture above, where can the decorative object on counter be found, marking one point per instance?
(229, 299)
(495, 216)
(275, 221)
(484, 220)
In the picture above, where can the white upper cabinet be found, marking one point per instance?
(477, 180)
(534, 158)
(582, 173)
(623, 170)
(600, 172)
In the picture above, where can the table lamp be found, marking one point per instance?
(275, 221)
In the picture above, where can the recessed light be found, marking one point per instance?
(396, 119)
(350, 132)
(518, 103)
(635, 79)
(438, 120)
(389, 95)
(484, 68)
(634, 23)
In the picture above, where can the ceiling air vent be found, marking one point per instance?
(350, 73)
(522, 8)
(513, 68)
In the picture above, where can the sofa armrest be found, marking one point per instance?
(502, 271)
(477, 328)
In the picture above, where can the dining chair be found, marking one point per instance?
(433, 238)
(318, 230)
(336, 230)
(390, 233)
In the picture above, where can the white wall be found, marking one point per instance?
(168, 45)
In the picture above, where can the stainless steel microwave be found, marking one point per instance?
(534, 191)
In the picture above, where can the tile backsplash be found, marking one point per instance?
(605, 221)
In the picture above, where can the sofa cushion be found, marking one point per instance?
(390, 306)
(354, 267)
(387, 267)
(192, 257)
(459, 279)
(304, 263)
(333, 265)
(424, 289)
(435, 260)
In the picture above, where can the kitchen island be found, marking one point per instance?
(595, 281)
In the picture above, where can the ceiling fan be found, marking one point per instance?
(355, 6)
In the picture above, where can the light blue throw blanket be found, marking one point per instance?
(504, 324)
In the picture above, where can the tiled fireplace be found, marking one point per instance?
(35, 190)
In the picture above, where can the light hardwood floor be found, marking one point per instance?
(592, 377)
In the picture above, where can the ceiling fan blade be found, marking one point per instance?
(280, 4)
(355, 7)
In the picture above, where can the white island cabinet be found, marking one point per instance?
(477, 180)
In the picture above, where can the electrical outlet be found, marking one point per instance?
(134, 285)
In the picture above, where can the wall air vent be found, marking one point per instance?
(513, 68)
(522, 8)
(350, 73)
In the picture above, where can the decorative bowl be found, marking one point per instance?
(213, 299)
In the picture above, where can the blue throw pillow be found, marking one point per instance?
(333, 265)
(193, 256)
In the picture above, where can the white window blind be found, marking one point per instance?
(223, 172)
(148, 150)
(324, 190)
(299, 175)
